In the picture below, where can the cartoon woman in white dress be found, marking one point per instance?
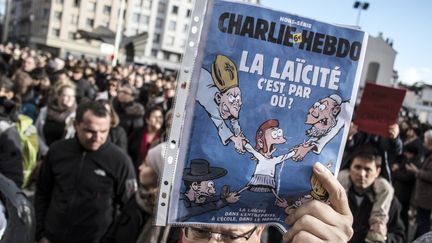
(267, 136)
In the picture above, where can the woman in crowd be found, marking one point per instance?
(148, 136)
(55, 121)
(25, 91)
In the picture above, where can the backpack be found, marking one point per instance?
(29, 145)
(19, 212)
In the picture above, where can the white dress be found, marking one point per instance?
(263, 179)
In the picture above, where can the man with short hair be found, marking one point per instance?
(363, 172)
(130, 112)
(82, 182)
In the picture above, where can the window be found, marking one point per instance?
(166, 55)
(156, 38)
(74, 19)
(159, 22)
(77, 3)
(136, 18)
(161, 7)
(145, 19)
(174, 9)
(45, 12)
(56, 32)
(188, 13)
(147, 3)
(44, 29)
(90, 23)
(138, 3)
(172, 25)
(57, 15)
(154, 53)
(71, 35)
(107, 10)
(177, 57)
(91, 6)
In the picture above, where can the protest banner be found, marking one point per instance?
(379, 108)
(261, 98)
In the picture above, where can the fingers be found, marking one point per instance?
(304, 236)
(308, 224)
(320, 220)
(337, 194)
(315, 208)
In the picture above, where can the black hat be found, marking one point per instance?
(200, 170)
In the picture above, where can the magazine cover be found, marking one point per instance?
(270, 94)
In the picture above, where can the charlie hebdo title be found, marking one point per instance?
(297, 71)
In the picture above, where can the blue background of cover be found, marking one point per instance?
(292, 179)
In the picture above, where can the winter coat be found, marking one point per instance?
(78, 191)
(423, 188)
(361, 214)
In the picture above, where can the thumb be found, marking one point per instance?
(337, 195)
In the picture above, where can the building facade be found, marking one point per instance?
(378, 67)
(52, 25)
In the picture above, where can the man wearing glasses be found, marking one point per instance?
(228, 234)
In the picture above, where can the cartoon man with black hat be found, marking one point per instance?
(219, 94)
(200, 195)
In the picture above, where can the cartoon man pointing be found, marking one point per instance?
(219, 94)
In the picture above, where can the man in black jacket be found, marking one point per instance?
(82, 182)
(364, 169)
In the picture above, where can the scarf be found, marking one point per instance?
(58, 113)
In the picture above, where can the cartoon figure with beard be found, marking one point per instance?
(219, 94)
(200, 195)
(326, 118)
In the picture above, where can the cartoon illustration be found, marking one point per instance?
(200, 194)
(263, 180)
(323, 117)
(219, 94)
(317, 192)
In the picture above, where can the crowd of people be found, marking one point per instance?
(90, 138)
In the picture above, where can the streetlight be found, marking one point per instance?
(119, 33)
(360, 6)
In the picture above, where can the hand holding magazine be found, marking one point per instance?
(263, 95)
